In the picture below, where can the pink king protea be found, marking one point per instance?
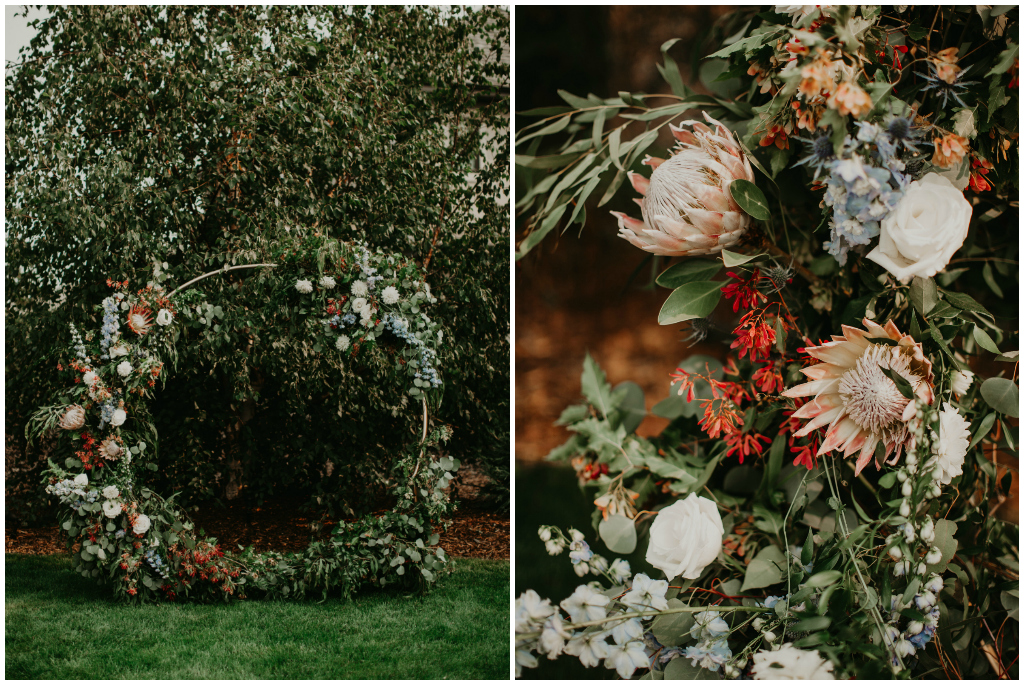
(687, 208)
(852, 396)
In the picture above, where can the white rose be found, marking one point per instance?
(124, 369)
(110, 492)
(112, 509)
(686, 537)
(920, 235)
(118, 418)
(358, 304)
(789, 663)
(164, 317)
(949, 447)
(81, 479)
(89, 378)
(141, 524)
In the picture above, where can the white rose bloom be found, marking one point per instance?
(686, 537)
(89, 378)
(790, 663)
(343, 343)
(81, 479)
(118, 351)
(920, 235)
(358, 304)
(111, 509)
(585, 605)
(327, 282)
(141, 524)
(961, 381)
(390, 295)
(124, 369)
(304, 286)
(359, 288)
(164, 317)
(949, 447)
(111, 492)
(118, 418)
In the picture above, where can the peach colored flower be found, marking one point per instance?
(950, 150)
(945, 65)
(850, 98)
(859, 403)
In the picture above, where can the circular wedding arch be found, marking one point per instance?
(127, 536)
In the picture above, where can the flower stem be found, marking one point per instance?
(653, 612)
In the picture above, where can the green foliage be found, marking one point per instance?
(156, 144)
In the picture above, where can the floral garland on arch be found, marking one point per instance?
(836, 498)
(127, 536)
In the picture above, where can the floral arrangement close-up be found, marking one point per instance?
(835, 208)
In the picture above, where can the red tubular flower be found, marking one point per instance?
(754, 337)
(745, 291)
(747, 444)
(979, 169)
(768, 379)
(720, 416)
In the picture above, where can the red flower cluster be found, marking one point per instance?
(754, 336)
(979, 169)
(87, 454)
(745, 291)
(768, 379)
(746, 444)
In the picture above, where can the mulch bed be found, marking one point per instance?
(278, 525)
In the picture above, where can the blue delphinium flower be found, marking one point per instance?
(709, 654)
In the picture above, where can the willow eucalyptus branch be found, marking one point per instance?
(220, 271)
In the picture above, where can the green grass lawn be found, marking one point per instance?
(62, 626)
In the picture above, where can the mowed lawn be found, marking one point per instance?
(58, 625)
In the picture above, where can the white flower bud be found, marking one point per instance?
(769, 636)
(915, 627)
(928, 531)
(922, 569)
(758, 624)
(545, 533)
(901, 476)
(576, 535)
(896, 553)
(581, 569)
(935, 584)
(908, 533)
(935, 491)
(908, 489)
(934, 556)
(905, 509)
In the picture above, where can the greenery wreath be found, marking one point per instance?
(362, 304)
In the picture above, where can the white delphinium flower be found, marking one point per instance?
(576, 535)
(585, 604)
(905, 648)
(327, 282)
(554, 547)
(118, 418)
(359, 288)
(626, 631)
(164, 317)
(111, 492)
(708, 624)
(934, 584)
(390, 295)
(619, 571)
(142, 524)
(531, 610)
(81, 480)
(553, 637)
(949, 447)
(342, 343)
(524, 660)
(646, 593)
(961, 381)
(581, 568)
(304, 286)
(790, 663)
(111, 508)
(926, 600)
(124, 369)
(626, 658)
(598, 564)
(589, 647)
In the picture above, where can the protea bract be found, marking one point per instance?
(687, 208)
(140, 320)
(856, 399)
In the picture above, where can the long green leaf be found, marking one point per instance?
(750, 198)
(687, 271)
(690, 301)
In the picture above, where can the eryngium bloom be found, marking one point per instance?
(859, 403)
(687, 208)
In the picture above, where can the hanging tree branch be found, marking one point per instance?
(219, 271)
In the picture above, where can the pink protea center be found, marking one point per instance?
(858, 402)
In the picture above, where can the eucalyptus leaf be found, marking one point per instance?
(750, 198)
(693, 300)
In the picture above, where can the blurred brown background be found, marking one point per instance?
(590, 290)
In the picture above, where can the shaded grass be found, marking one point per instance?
(60, 625)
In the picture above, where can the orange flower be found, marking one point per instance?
(850, 98)
(945, 65)
(950, 150)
